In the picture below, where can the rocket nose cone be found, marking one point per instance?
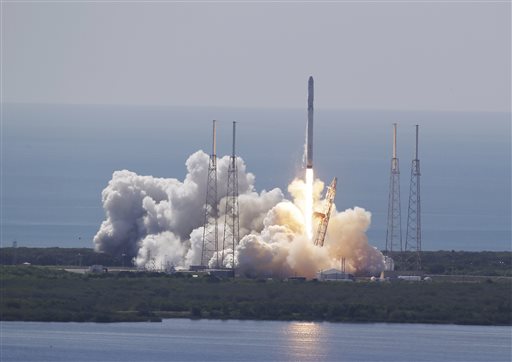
(311, 91)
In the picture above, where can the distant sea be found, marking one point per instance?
(56, 160)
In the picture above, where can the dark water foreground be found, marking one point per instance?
(213, 340)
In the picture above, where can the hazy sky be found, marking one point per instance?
(366, 55)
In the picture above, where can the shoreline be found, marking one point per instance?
(264, 320)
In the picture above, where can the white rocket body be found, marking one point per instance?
(309, 137)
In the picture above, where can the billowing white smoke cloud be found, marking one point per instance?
(144, 211)
(159, 222)
(282, 248)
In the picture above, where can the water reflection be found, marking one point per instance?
(304, 341)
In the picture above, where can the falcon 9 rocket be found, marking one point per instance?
(309, 137)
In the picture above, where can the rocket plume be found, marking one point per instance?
(308, 209)
(159, 222)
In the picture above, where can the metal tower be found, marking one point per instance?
(324, 217)
(232, 216)
(151, 262)
(394, 230)
(413, 236)
(210, 229)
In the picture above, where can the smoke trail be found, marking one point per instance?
(158, 222)
(308, 213)
(284, 249)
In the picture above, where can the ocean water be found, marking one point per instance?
(56, 159)
(213, 340)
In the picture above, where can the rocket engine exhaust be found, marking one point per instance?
(159, 222)
(308, 212)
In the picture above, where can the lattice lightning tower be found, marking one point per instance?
(324, 217)
(211, 229)
(413, 236)
(394, 229)
(232, 216)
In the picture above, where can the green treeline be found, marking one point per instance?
(43, 294)
(59, 256)
(489, 263)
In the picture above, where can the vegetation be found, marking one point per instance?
(59, 256)
(488, 263)
(44, 294)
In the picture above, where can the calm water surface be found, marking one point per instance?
(212, 340)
